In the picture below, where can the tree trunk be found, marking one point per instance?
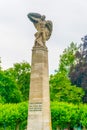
(17, 126)
(58, 128)
(84, 128)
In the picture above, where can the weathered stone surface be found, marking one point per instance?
(39, 102)
(44, 28)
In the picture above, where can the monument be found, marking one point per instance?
(39, 116)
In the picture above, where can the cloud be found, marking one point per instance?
(17, 32)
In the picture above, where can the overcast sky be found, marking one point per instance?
(69, 19)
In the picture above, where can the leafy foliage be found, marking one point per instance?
(63, 114)
(21, 74)
(83, 111)
(61, 87)
(78, 73)
(8, 90)
(62, 90)
(68, 115)
(67, 58)
(13, 114)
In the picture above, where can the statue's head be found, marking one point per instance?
(43, 17)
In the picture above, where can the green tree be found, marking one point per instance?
(21, 74)
(9, 92)
(67, 58)
(78, 72)
(62, 90)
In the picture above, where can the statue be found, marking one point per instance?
(44, 28)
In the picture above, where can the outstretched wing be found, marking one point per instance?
(49, 26)
(34, 17)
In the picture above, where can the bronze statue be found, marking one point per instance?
(44, 28)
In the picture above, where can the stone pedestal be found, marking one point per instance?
(39, 100)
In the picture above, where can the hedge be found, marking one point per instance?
(62, 114)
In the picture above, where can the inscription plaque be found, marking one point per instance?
(35, 106)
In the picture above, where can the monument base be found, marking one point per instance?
(39, 117)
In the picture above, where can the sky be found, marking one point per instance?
(69, 19)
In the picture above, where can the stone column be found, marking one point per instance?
(39, 117)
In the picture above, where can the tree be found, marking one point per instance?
(78, 75)
(9, 92)
(67, 58)
(78, 72)
(21, 74)
(62, 90)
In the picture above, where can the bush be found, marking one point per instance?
(13, 114)
(63, 115)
